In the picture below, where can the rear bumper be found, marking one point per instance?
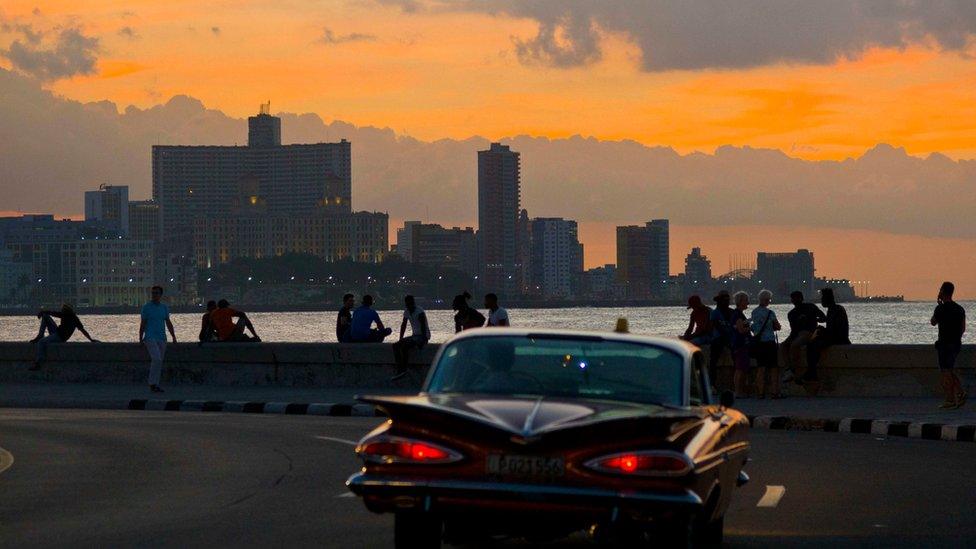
(388, 493)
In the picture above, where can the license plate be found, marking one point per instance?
(525, 466)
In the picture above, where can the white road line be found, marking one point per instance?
(6, 460)
(772, 496)
(346, 495)
(342, 440)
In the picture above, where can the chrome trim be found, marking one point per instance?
(594, 464)
(742, 479)
(364, 484)
(452, 455)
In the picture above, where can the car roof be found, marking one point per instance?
(683, 348)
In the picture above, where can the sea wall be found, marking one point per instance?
(852, 370)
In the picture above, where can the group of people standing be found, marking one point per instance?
(754, 338)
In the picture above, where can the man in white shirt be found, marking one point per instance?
(419, 335)
(497, 316)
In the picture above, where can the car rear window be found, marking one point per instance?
(560, 367)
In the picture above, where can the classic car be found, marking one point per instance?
(542, 434)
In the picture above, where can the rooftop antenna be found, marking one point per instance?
(265, 108)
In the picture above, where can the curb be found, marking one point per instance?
(289, 408)
(908, 429)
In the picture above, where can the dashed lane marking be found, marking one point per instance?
(772, 496)
(346, 495)
(342, 440)
(6, 460)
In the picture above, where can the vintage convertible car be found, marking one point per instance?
(541, 434)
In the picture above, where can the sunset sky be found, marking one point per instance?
(816, 80)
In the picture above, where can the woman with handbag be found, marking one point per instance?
(764, 348)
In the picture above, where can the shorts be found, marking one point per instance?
(948, 353)
(740, 358)
(767, 354)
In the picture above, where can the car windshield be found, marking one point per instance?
(560, 367)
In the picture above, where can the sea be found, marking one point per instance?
(906, 322)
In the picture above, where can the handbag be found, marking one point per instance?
(755, 341)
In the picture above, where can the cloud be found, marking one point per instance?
(129, 33)
(717, 34)
(329, 37)
(68, 54)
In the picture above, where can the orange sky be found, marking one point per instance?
(454, 74)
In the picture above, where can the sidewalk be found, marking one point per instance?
(892, 416)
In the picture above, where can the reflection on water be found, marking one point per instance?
(870, 323)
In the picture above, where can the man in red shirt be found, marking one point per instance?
(222, 319)
(699, 329)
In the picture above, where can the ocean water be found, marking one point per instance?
(870, 323)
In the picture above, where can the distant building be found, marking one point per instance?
(360, 236)
(110, 272)
(109, 208)
(643, 263)
(499, 202)
(436, 246)
(557, 257)
(15, 279)
(199, 182)
(144, 220)
(698, 271)
(404, 244)
(783, 273)
(178, 275)
(600, 282)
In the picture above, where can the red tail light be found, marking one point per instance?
(655, 463)
(403, 450)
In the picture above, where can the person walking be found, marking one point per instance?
(764, 348)
(740, 345)
(803, 319)
(722, 328)
(836, 331)
(56, 333)
(699, 326)
(344, 320)
(419, 335)
(950, 317)
(152, 334)
(465, 316)
(497, 316)
(361, 329)
(228, 330)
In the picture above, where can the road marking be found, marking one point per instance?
(772, 496)
(346, 495)
(6, 460)
(342, 440)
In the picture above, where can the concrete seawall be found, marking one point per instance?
(854, 370)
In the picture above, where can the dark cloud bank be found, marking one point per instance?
(51, 149)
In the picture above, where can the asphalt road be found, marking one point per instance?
(115, 478)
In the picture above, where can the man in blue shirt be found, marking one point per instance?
(361, 330)
(152, 334)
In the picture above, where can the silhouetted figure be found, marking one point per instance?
(361, 330)
(950, 317)
(207, 330)
(497, 316)
(740, 344)
(699, 330)
(835, 332)
(153, 323)
(803, 319)
(465, 316)
(722, 330)
(344, 320)
(56, 333)
(764, 347)
(419, 335)
(222, 319)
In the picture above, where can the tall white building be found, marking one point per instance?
(109, 207)
(557, 257)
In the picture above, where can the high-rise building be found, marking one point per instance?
(404, 242)
(698, 268)
(643, 265)
(498, 214)
(600, 282)
(557, 257)
(144, 220)
(109, 208)
(195, 182)
(783, 273)
(437, 246)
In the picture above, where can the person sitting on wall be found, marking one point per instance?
(56, 333)
(207, 330)
(361, 330)
(222, 319)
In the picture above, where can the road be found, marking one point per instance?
(118, 478)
